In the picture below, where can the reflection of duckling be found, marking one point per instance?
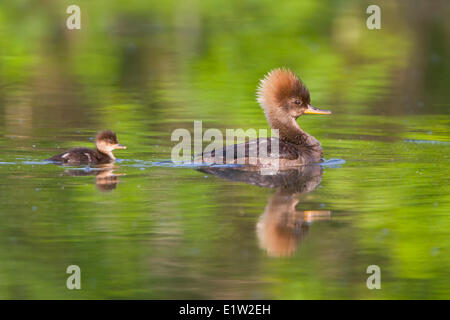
(284, 98)
(281, 228)
(106, 142)
(105, 178)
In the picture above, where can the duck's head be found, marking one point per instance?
(107, 141)
(282, 95)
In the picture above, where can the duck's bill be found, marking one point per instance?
(119, 146)
(316, 215)
(314, 110)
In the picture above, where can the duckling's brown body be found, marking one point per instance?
(284, 98)
(106, 142)
(76, 156)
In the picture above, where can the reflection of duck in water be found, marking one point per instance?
(106, 142)
(105, 178)
(301, 179)
(281, 227)
(284, 98)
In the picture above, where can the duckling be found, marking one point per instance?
(284, 98)
(106, 142)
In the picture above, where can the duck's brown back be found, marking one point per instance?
(79, 156)
(287, 152)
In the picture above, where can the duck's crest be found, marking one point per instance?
(277, 86)
(107, 135)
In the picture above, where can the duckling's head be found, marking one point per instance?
(107, 141)
(282, 95)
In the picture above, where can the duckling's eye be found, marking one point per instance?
(297, 102)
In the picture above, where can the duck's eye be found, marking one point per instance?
(297, 102)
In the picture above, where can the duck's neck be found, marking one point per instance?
(110, 155)
(290, 131)
(107, 153)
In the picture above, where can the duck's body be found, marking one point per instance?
(284, 98)
(288, 154)
(81, 155)
(106, 142)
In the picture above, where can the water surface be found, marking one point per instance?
(147, 230)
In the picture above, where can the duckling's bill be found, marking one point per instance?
(119, 146)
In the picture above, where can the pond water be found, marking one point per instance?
(146, 229)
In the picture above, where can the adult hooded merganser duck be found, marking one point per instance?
(284, 98)
(106, 142)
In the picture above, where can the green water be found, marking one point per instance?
(155, 231)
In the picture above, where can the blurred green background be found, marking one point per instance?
(145, 68)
